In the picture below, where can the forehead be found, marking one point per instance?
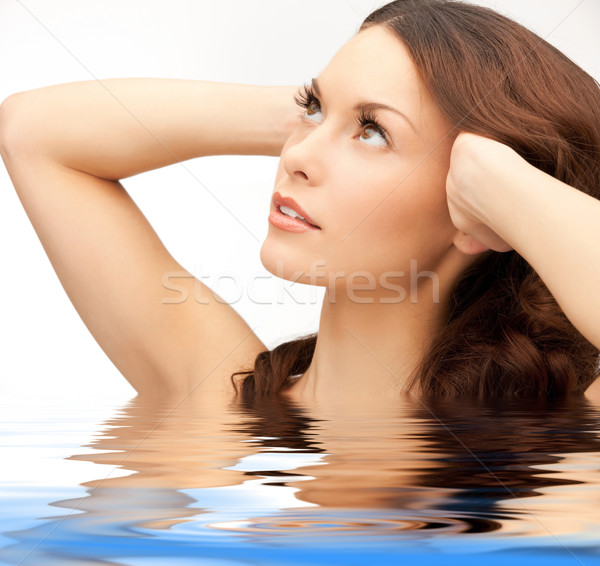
(375, 55)
(375, 66)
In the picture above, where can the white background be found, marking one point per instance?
(44, 347)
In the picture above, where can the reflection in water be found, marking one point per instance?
(222, 480)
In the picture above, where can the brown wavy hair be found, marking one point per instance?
(505, 335)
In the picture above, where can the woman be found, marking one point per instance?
(422, 235)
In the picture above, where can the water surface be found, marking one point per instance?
(454, 482)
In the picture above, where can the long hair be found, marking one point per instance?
(505, 334)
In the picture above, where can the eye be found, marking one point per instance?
(313, 109)
(375, 132)
(306, 99)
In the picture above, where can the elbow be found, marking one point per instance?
(17, 127)
(9, 127)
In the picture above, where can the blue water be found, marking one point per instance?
(427, 482)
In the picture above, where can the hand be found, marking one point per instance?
(476, 165)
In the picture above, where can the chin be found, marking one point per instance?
(288, 264)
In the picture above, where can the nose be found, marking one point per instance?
(306, 154)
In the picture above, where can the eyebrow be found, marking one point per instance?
(367, 106)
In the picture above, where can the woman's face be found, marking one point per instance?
(377, 196)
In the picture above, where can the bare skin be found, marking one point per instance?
(97, 239)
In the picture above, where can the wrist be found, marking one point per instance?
(285, 117)
(512, 193)
(489, 172)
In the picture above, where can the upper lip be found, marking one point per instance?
(279, 200)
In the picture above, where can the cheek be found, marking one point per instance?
(359, 193)
(407, 196)
(393, 218)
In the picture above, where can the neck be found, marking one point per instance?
(367, 348)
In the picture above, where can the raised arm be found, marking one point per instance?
(66, 146)
(504, 202)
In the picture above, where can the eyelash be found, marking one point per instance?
(306, 96)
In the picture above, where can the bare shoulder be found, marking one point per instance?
(221, 342)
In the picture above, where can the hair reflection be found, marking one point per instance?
(499, 452)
